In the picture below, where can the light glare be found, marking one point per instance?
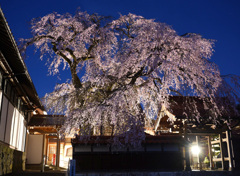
(195, 150)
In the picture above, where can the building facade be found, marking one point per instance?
(175, 143)
(45, 146)
(18, 100)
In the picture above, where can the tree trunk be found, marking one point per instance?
(75, 79)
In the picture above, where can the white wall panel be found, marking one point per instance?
(24, 137)
(34, 149)
(12, 126)
(15, 128)
(3, 118)
(10, 116)
(20, 132)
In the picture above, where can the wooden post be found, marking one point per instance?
(43, 160)
(210, 152)
(229, 148)
(187, 168)
(198, 157)
(187, 159)
(222, 152)
(58, 151)
(46, 150)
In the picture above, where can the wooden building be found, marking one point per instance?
(175, 143)
(45, 147)
(18, 100)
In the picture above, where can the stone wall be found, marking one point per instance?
(6, 159)
(11, 160)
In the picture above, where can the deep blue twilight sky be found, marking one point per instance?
(213, 19)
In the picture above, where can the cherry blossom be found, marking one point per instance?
(132, 66)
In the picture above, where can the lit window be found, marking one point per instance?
(69, 152)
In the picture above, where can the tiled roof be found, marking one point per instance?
(149, 139)
(179, 106)
(11, 57)
(47, 120)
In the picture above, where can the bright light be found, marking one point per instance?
(195, 150)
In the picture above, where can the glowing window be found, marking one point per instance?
(69, 152)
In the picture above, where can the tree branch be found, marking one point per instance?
(171, 89)
(58, 52)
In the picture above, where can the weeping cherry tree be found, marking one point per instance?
(132, 66)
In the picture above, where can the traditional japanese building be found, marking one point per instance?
(175, 143)
(18, 101)
(45, 147)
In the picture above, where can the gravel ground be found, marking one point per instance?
(192, 173)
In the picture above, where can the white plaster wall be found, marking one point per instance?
(24, 136)
(34, 149)
(3, 118)
(18, 131)
(12, 127)
(20, 137)
(9, 123)
(19, 134)
(15, 129)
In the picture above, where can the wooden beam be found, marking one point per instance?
(210, 152)
(220, 159)
(222, 151)
(202, 134)
(58, 152)
(229, 148)
(43, 158)
(187, 157)
(198, 156)
(218, 141)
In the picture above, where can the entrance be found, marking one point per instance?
(65, 153)
(52, 152)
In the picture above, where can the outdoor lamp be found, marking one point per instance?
(195, 149)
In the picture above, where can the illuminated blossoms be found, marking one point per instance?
(131, 67)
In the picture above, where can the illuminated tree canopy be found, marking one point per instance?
(132, 66)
